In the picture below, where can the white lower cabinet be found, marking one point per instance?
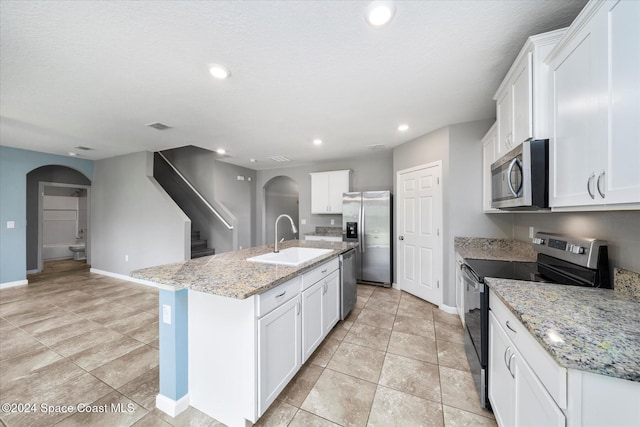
(501, 377)
(320, 312)
(279, 336)
(330, 302)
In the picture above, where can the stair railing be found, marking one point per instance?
(196, 192)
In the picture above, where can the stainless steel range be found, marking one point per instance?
(561, 259)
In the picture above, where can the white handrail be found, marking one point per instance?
(186, 181)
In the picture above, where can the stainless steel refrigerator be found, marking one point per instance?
(367, 219)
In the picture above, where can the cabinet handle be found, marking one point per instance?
(324, 271)
(510, 328)
(297, 307)
(513, 375)
(600, 177)
(505, 357)
(589, 181)
(324, 288)
(281, 295)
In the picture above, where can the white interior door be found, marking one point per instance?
(419, 231)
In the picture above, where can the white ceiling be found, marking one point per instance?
(94, 73)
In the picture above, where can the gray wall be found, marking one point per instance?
(281, 197)
(217, 182)
(132, 215)
(620, 229)
(460, 150)
(54, 173)
(373, 172)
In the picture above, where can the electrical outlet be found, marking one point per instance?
(166, 314)
(303, 221)
(126, 258)
(532, 232)
(11, 224)
(333, 222)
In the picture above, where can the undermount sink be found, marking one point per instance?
(290, 256)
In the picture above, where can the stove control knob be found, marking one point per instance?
(577, 249)
(538, 241)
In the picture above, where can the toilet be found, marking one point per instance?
(78, 251)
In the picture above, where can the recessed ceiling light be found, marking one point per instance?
(71, 153)
(252, 160)
(380, 13)
(317, 141)
(403, 127)
(219, 71)
(221, 151)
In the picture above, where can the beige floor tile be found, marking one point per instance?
(459, 391)
(442, 317)
(454, 417)
(128, 324)
(407, 297)
(340, 398)
(365, 290)
(340, 330)
(448, 332)
(278, 414)
(190, 417)
(81, 326)
(15, 342)
(382, 305)
(105, 352)
(368, 336)
(415, 308)
(108, 313)
(385, 294)
(143, 389)
(151, 420)
(297, 390)
(120, 411)
(353, 316)
(80, 343)
(395, 408)
(414, 325)
(411, 376)
(357, 361)
(376, 318)
(62, 319)
(21, 367)
(306, 419)
(324, 352)
(147, 333)
(452, 355)
(127, 367)
(361, 301)
(30, 314)
(413, 346)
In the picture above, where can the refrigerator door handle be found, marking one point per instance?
(361, 230)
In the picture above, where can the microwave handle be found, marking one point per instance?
(514, 162)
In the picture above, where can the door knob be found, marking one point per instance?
(400, 237)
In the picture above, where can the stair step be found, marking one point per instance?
(200, 242)
(195, 235)
(202, 253)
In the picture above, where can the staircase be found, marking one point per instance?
(199, 247)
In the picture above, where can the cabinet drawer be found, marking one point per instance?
(277, 296)
(550, 374)
(311, 277)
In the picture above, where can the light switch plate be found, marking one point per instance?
(11, 224)
(303, 221)
(166, 314)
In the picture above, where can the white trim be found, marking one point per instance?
(32, 271)
(172, 407)
(13, 284)
(395, 286)
(132, 279)
(448, 309)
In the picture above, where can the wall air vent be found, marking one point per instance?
(280, 159)
(376, 147)
(158, 126)
(83, 148)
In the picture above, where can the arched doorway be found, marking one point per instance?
(281, 196)
(57, 215)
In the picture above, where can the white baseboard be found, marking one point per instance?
(6, 285)
(395, 286)
(124, 277)
(172, 407)
(33, 271)
(448, 309)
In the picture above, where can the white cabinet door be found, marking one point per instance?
(319, 193)
(534, 407)
(504, 120)
(338, 185)
(489, 144)
(279, 355)
(596, 110)
(501, 374)
(312, 328)
(330, 302)
(521, 98)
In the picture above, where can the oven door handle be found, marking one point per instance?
(469, 274)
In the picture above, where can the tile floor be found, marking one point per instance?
(77, 337)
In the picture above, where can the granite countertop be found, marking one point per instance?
(599, 330)
(229, 274)
(494, 249)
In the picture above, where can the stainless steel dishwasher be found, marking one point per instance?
(348, 288)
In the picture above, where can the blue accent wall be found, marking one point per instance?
(174, 345)
(14, 166)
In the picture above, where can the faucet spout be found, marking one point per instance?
(293, 228)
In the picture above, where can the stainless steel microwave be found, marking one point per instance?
(520, 178)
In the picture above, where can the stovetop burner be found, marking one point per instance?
(517, 270)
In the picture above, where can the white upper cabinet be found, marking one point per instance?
(595, 110)
(326, 191)
(522, 98)
(489, 148)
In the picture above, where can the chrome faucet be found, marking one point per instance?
(293, 228)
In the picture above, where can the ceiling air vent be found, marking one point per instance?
(280, 159)
(158, 126)
(376, 147)
(83, 148)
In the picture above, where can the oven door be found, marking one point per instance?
(477, 330)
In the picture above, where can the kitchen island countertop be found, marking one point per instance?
(230, 275)
(592, 330)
